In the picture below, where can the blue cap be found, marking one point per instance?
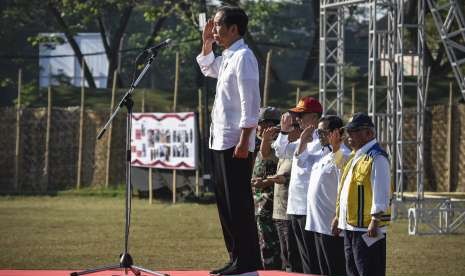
(359, 120)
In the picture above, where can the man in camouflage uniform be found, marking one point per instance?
(263, 191)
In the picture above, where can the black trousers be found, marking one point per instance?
(361, 259)
(236, 208)
(290, 256)
(306, 244)
(330, 252)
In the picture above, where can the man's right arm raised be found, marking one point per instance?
(283, 148)
(209, 65)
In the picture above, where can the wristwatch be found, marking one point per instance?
(375, 218)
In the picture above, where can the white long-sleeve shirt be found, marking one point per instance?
(300, 172)
(322, 191)
(380, 185)
(237, 99)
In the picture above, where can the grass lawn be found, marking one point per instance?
(72, 232)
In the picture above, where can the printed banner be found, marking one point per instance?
(164, 140)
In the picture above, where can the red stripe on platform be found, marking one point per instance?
(121, 273)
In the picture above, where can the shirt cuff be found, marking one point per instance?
(280, 138)
(248, 124)
(205, 60)
(376, 208)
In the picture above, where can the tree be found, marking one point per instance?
(110, 18)
(435, 55)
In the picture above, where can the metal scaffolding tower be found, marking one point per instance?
(414, 82)
(388, 51)
(437, 215)
(332, 59)
(450, 24)
(381, 63)
(381, 48)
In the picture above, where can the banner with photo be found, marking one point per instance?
(164, 140)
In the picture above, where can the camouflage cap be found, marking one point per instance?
(269, 113)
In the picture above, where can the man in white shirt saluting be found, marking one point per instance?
(308, 112)
(322, 194)
(232, 135)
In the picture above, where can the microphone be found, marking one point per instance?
(159, 46)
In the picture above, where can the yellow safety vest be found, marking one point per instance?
(360, 193)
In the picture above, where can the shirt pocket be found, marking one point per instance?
(329, 168)
(228, 76)
(362, 172)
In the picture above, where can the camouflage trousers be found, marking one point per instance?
(270, 247)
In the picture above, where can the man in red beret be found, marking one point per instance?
(308, 111)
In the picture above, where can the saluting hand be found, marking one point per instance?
(207, 37)
(307, 135)
(269, 133)
(286, 122)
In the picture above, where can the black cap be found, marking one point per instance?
(359, 120)
(333, 122)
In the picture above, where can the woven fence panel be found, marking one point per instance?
(64, 142)
(63, 150)
(458, 184)
(32, 177)
(7, 148)
(63, 154)
(436, 148)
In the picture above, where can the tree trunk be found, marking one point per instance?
(311, 65)
(103, 35)
(115, 43)
(72, 42)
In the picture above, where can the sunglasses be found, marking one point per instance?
(323, 132)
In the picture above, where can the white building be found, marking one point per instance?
(58, 64)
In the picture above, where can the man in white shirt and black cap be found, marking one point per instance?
(322, 194)
(363, 204)
(232, 135)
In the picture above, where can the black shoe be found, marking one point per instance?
(235, 271)
(219, 270)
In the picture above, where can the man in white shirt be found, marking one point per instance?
(308, 112)
(234, 118)
(322, 194)
(363, 205)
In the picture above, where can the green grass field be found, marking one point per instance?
(75, 232)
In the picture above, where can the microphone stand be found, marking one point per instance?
(126, 261)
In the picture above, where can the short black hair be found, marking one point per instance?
(333, 122)
(235, 16)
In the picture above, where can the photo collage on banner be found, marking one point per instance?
(164, 140)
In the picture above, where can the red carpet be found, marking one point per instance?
(121, 273)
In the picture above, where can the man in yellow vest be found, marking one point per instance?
(363, 202)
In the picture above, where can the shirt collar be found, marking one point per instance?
(365, 148)
(234, 47)
(315, 135)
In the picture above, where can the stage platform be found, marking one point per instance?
(4, 272)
